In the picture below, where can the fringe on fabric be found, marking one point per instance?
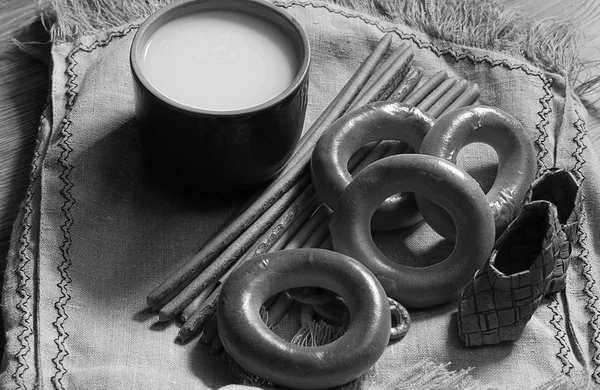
(551, 44)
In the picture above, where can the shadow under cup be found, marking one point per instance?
(226, 149)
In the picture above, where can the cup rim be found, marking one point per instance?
(158, 15)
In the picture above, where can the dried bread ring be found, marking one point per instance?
(447, 185)
(373, 122)
(516, 161)
(260, 351)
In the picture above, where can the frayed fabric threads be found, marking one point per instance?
(429, 375)
(72, 19)
(551, 44)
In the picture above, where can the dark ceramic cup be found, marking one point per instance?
(220, 151)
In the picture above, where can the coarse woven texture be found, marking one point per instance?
(96, 232)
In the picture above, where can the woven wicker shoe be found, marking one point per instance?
(560, 188)
(503, 295)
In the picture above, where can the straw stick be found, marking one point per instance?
(200, 316)
(195, 304)
(419, 94)
(449, 97)
(386, 77)
(435, 96)
(304, 233)
(470, 95)
(411, 80)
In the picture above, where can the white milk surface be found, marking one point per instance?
(219, 60)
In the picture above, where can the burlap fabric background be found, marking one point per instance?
(97, 231)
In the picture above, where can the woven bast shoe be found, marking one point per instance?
(503, 295)
(559, 187)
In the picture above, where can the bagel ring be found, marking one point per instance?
(516, 161)
(373, 122)
(260, 351)
(447, 185)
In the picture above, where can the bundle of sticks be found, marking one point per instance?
(288, 213)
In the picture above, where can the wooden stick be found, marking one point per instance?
(389, 78)
(436, 94)
(468, 97)
(449, 97)
(299, 240)
(287, 235)
(197, 302)
(401, 54)
(282, 183)
(407, 85)
(271, 246)
(300, 208)
(320, 233)
(200, 316)
(419, 94)
(240, 210)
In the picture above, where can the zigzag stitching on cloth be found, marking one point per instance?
(24, 279)
(581, 147)
(560, 336)
(583, 255)
(68, 203)
(65, 228)
(540, 141)
(541, 127)
(458, 56)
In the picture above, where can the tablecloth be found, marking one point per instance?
(97, 230)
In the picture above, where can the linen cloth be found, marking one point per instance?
(97, 231)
